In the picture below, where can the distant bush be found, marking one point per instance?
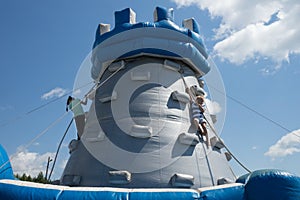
(40, 178)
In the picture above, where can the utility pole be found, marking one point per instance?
(49, 160)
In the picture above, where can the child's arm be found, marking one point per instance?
(84, 101)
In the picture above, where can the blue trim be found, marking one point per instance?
(164, 21)
(272, 184)
(164, 14)
(6, 171)
(150, 51)
(261, 185)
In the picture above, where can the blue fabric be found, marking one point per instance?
(243, 179)
(5, 167)
(150, 51)
(230, 193)
(10, 191)
(107, 195)
(272, 184)
(153, 43)
(196, 27)
(169, 195)
(261, 185)
(122, 17)
(158, 38)
(163, 14)
(164, 21)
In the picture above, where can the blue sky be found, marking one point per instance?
(255, 45)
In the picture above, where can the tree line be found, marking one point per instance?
(40, 178)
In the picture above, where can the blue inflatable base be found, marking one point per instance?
(14, 189)
(258, 185)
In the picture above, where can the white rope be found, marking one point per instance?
(57, 120)
(212, 128)
(34, 139)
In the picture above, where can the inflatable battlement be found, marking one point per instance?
(161, 38)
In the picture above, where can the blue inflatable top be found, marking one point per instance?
(161, 38)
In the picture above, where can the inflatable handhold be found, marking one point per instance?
(116, 66)
(182, 180)
(71, 180)
(188, 139)
(228, 156)
(73, 145)
(119, 177)
(180, 96)
(222, 181)
(140, 131)
(215, 142)
(172, 65)
(140, 76)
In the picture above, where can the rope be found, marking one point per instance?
(225, 146)
(37, 137)
(61, 117)
(4, 123)
(181, 71)
(85, 96)
(212, 128)
(58, 148)
(255, 111)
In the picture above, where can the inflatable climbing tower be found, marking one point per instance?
(139, 131)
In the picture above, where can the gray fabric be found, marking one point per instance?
(146, 107)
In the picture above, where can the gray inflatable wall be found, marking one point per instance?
(139, 131)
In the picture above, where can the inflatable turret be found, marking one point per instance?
(139, 131)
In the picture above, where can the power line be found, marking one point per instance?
(254, 111)
(12, 120)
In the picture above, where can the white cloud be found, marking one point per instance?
(287, 145)
(56, 92)
(213, 106)
(77, 92)
(31, 163)
(254, 29)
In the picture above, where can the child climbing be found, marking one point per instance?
(198, 110)
(198, 117)
(74, 105)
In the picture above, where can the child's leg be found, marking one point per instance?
(204, 132)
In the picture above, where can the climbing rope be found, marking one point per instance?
(35, 138)
(225, 146)
(210, 125)
(62, 116)
(57, 120)
(4, 123)
(254, 111)
(181, 71)
(58, 148)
